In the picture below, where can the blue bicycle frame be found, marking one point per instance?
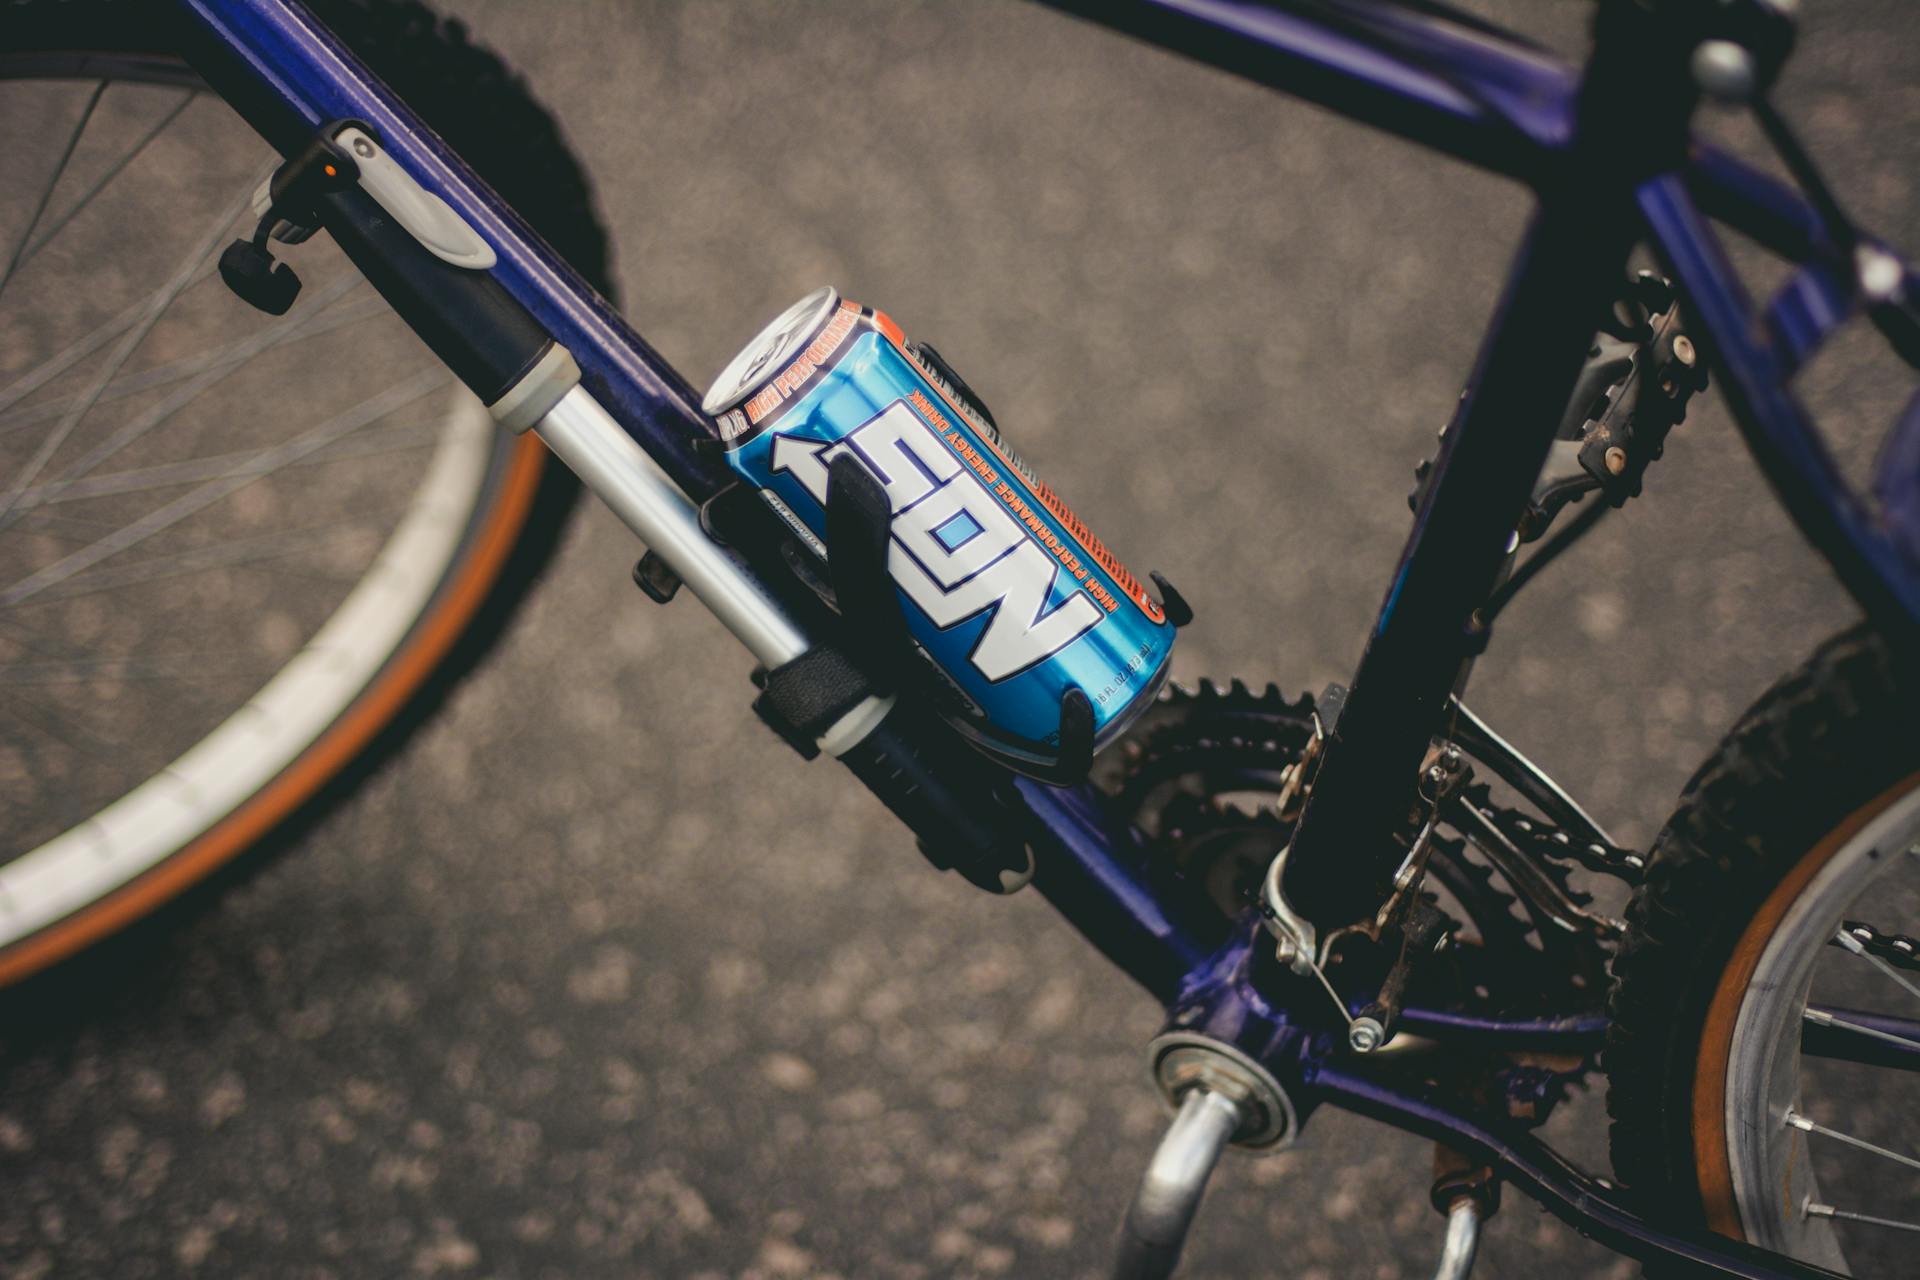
(1610, 158)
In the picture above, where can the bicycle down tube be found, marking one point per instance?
(1574, 253)
(286, 76)
(634, 422)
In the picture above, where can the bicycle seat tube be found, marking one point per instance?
(1630, 123)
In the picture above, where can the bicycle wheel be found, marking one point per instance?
(233, 579)
(1774, 922)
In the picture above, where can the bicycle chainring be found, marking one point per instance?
(1199, 775)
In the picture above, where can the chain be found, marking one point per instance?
(1544, 840)
(1897, 949)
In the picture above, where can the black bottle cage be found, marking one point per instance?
(874, 639)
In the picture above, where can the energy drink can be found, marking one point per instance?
(1005, 592)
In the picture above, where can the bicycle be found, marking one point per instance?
(1254, 1041)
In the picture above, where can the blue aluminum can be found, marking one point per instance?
(1004, 590)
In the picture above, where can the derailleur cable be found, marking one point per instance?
(1562, 538)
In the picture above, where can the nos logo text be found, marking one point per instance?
(956, 551)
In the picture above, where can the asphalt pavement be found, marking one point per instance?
(599, 979)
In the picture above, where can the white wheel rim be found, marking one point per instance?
(1769, 1160)
(270, 730)
(433, 511)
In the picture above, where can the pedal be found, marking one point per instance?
(1221, 1098)
(1468, 1194)
(1462, 1242)
(1156, 1224)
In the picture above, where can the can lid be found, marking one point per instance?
(760, 360)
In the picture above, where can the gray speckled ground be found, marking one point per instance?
(598, 979)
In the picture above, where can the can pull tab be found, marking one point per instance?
(1172, 603)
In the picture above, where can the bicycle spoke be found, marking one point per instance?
(1850, 943)
(197, 665)
(134, 336)
(237, 554)
(22, 738)
(27, 383)
(233, 358)
(312, 322)
(1906, 1047)
(101, 183)
(72, 528)
(179, 509)
(11, 634)
(1828, 1211)
(171, 474)
(1897, 949)
(46, 192)
(60, 728)
(1806, 1125)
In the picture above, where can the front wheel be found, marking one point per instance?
(240, 556)
(1764, 1057)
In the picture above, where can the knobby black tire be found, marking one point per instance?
(485, 112)
(1822, 743)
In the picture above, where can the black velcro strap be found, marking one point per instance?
(859, 516)
(814, 690)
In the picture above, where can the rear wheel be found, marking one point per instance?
(233, 577)
(1764, 1060)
